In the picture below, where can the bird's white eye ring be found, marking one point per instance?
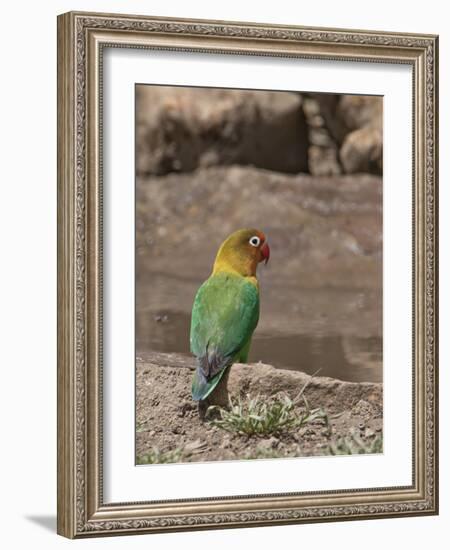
(255, 241)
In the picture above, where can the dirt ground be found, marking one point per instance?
(168, 423)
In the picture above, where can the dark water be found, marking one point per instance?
(350, 358)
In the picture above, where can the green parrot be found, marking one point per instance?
(226, 309)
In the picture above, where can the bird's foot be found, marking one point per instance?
(202, 409)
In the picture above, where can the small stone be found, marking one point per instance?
(196, 446)
(226, 443)
(161, 318)
(271, 443)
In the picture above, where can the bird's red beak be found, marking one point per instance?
(265, 252)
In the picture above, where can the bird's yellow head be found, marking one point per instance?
(241, 252)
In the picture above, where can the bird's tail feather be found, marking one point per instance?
(201, 386)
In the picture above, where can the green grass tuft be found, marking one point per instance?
(263, 453)
(259, 416)
(156, 456)
(354, 445)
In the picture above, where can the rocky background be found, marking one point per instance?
(306, 169)
(181, 129)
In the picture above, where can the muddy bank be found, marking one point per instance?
(297, 342)
(167, 420)
(320, 293)
(323, 231)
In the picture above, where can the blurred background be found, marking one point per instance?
(306, 168)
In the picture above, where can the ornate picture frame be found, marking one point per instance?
(82, 38)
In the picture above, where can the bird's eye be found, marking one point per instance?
(255, 241)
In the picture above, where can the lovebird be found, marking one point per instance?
(226, 309)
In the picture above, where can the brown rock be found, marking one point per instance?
(362, 150)
(336, 395)
(356, 124)
(262, 379)
(323, 161)
(180, 129)
(323, 158)
(357, 111)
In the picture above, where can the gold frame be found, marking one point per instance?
(81, 38)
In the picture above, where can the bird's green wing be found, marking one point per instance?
(224, 316)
